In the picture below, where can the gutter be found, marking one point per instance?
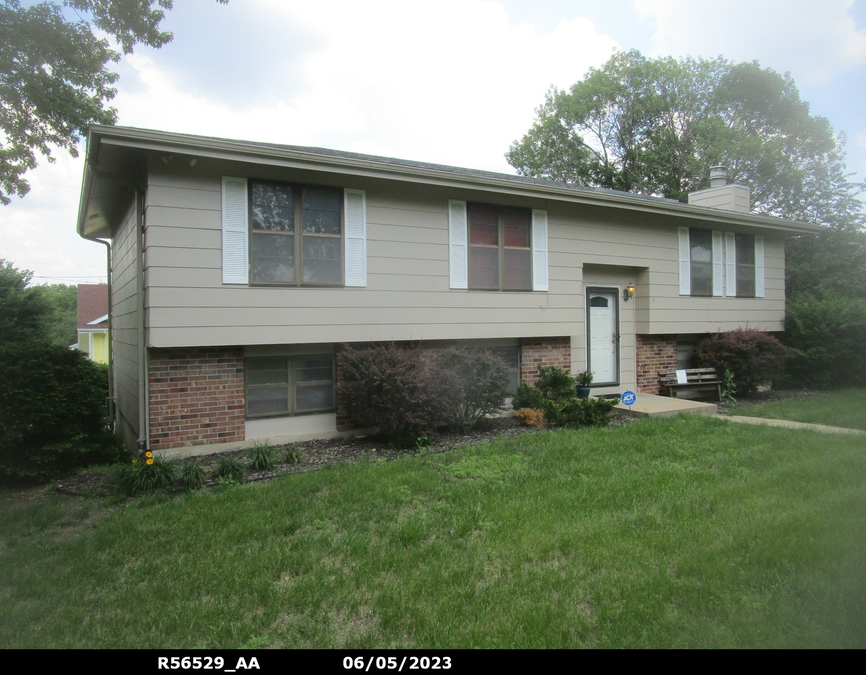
(91, 170)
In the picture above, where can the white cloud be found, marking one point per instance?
(38, 231)
(453, 82)
(812, 40)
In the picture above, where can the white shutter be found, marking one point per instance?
(235, 231)
(356, 237)
(458, 244)
(718, 265)
(685, 262)
(539, 250)
(730, 264)
(759, 267)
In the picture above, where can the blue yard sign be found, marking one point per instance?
(628, 398)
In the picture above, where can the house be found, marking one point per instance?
(93, 321)
(240, 269)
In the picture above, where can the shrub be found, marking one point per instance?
(527, 397)
(292, 454)
(146, 474)
(193, 474)
(580, 412)
(529, 417)
(555, 384)
(262, 456)
(388, 387)
(826, 339)
(754, 357)
(52, 412)
(230, 470)
(554, 394)
(470, 385)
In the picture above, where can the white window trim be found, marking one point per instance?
(235, 230)
(458, 247)
(539, 250)
(235, 234)
(724, 264)
(355, 209)
(458, 244)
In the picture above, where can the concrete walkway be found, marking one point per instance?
(649, 405)
(789, 424)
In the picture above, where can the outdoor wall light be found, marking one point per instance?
(628, 293)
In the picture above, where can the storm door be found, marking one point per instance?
(602, 318)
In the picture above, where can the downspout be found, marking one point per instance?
(143, 389)
(112, 417)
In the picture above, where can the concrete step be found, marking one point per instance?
(665, 406)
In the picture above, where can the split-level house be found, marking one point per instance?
(240, 269)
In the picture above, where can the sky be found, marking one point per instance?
(452, 82)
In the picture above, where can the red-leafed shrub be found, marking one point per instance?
(754, 357)
(388, 387)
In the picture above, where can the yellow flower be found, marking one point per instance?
(148, 454)
(150, 461)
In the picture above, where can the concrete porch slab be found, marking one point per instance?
(665, 406)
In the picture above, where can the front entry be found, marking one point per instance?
(603, 330)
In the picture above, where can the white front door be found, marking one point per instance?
(603, 340)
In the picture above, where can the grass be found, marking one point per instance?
(842, 408)
(685, 532)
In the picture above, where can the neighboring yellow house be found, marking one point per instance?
(93, 321)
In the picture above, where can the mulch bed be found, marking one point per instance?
(315, 455)
(328, 452)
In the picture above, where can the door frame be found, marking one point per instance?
(613, 290)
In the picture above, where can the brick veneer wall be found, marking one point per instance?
(535, 352)
(196, 396)
(345, 422)
(654, 353)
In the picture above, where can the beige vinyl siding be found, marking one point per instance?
(407, 296)
(124, 320)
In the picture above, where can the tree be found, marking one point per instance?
(54, 75)
(23, 310)
(62, 317)
(656, 126)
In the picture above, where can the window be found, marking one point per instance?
(293, 235)
(293, 385)
(500, 256)
(714, 263)
(745, 265)
(296, 234)
(511, 356)
(701, 261)
(496, 248)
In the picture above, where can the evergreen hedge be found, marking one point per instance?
(53, 416)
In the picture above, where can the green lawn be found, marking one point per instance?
(843, 408)
(685, 532)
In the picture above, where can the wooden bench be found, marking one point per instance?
(696, 378)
